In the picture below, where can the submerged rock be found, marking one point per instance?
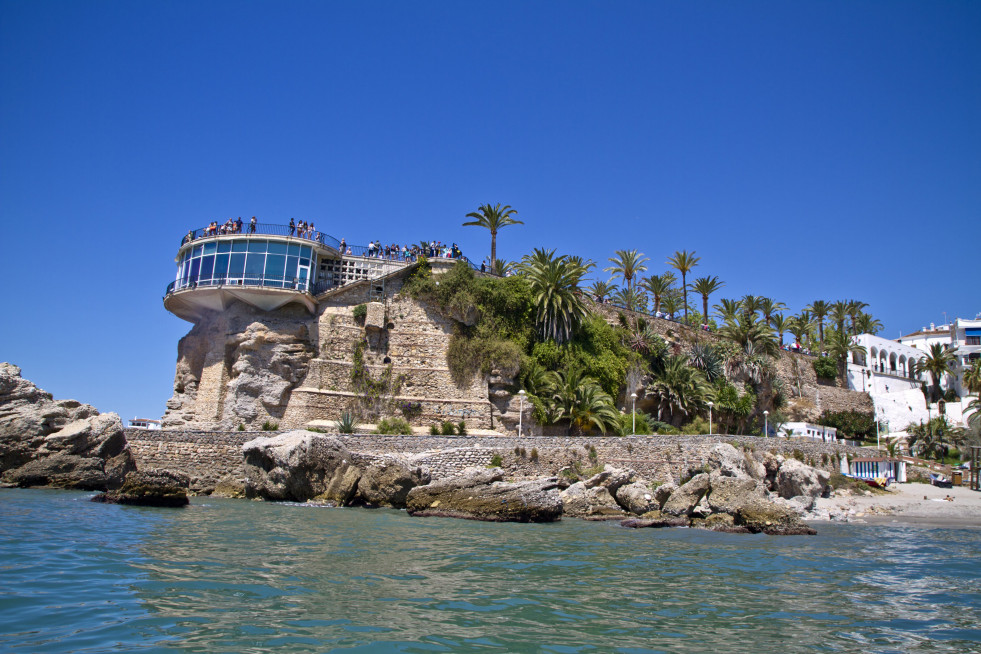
(149, 488)
(479, 494)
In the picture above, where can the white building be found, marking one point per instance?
(965, 335)
(886, 367)
(144, 423)
(809, 430)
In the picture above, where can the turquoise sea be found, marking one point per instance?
(239, 576)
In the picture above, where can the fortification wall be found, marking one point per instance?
(207, 456)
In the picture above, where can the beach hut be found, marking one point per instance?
(878, 468)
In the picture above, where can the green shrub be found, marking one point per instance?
(825, 368)
(496, 461)
(950, 395)
(448, 428)
(434, 429)
(534, 454)
(347, 424)
(658, 427)
(360, 313)
(393, 426)
(849, 423)
(461, 428)
(269, 425)
(697, 426)
(643, 424)
(241, 427)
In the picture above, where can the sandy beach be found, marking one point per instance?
(914, 503)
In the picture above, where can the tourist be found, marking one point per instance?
(238, 225)
(292, 227)
(252, 225)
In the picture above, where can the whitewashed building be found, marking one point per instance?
(886, 367)
(810, 430)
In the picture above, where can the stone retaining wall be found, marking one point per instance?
(206, 456)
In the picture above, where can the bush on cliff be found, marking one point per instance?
(825, 368)
(393, 426)
(849, 423)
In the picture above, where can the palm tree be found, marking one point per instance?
(728, 309)
(780, 325)
(582, 400)
(839, 314)
(840, 345)
(768, 307)
(659, 286)
(939, 361)
(601, 290)
(626, 264)
(707, 358)
(854, 309)
(705, 286)
(493, 218)
(820, 309)
(747, 329)
(631, 298)
(799, 328)
(683, 262)
(867, 324)
(972, 377)
(671, 304)
(680, 390)
(555, 289)
(501, 267)
(805, 319)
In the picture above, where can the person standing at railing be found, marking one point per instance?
(252, 225)
(292, 227)
(238, 225)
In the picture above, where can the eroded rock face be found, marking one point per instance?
(63, 443)
(637, 498)
(794, 479)
(730, 462)
(479, 494)
(590, 502)
(299, 466)
(387, 482)
(239, 367)
(687, 497)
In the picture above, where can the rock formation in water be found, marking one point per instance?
(150, 488)
(62, 443)
(482, 494)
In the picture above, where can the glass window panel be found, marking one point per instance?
(275, 247)
(257, 246)
(224, 246)
(185, 271)
(291, 267)
(207, 265)
(239, 246)
(236, 265)
(209, 248)
(195, 268)
(221, 265)
(275, 266)
(304, 262)
(294, 249)
(254, 265)
(305, 252)
(197, 251)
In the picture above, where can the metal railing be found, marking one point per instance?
(266, 229)
(294, 284)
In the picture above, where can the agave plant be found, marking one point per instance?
(347, 424)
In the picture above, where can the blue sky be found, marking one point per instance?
(807, 150)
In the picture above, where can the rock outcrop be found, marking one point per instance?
(481, 494)
(302, 465)
(61, 443)
(149, 488)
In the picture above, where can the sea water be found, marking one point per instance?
(240, 576)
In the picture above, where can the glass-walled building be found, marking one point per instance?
(247, 262)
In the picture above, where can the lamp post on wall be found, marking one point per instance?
(633, 413)
(766, 424)
(521, 409)
(711, 404)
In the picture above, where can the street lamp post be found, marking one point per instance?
(633, 413)
(766, 424)
(521, 409)
(711, 404)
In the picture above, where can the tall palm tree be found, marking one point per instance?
(555, 288)
(780, 325)
(940, 360)
(839, 314)
(751, 304)
(972, 377)
(659, 286)
(728, 309)
(840, 345)
(626, 264)
(768, 307)
(671, 304)
(867, 324)
(855, 308)
(806, 319)
(493, 218)
(705, 286)
(820, 309)
(748, 329)
(799, 328)
(683, 262)
(601, 290)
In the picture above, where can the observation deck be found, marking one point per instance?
(269, 266)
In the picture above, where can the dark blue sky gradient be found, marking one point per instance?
(811, 150)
